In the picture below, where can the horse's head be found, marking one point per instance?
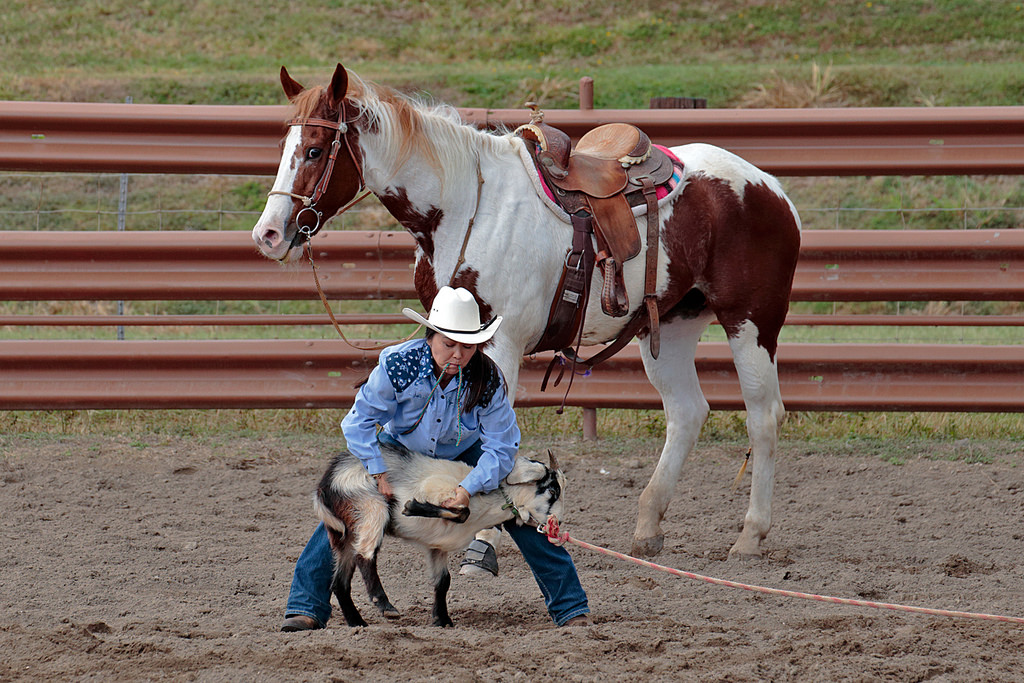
(319, 174)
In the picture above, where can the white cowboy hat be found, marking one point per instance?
(456, 315)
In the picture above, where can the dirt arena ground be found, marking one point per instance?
(169, 559)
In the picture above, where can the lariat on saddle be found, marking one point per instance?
(613, 168)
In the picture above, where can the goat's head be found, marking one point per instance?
(536, 489)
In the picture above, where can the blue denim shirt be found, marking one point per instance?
(399, 391)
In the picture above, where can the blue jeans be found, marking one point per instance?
(552, 567)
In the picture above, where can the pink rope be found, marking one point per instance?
(558, 538)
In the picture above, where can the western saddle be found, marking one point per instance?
(613, 168)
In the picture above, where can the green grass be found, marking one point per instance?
(892, 437)
(483, 54)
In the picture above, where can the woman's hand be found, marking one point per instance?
(384, 486)
(459, 501)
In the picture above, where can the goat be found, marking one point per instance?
(357, 516)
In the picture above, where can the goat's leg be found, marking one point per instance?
(374, 588)
(345, 566)
(442, 582)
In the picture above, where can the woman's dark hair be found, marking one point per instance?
(481, 375)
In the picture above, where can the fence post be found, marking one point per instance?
(590, 424)
(122, 218)
(589, 414)
(586, 93)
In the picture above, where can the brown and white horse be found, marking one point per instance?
(728, 249)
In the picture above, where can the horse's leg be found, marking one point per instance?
(442, 581)
(759, 382)
(374, 588)
(674, 375)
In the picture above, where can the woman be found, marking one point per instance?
(440, 396)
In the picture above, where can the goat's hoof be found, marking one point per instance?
(389, 611)
(648, 547)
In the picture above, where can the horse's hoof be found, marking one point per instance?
(648, 547)
(746, 550)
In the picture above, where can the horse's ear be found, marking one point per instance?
(290, 85)
(339, 85)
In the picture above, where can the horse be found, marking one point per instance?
(729, 238)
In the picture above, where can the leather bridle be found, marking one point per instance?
(340, 128)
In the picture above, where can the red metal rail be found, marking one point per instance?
(48, 136)
(318, 319)
(320, 374)
(835, 265)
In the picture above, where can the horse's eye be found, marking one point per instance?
(313, 153)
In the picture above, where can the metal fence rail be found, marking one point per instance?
(42, 136)
(320, 374)
(834, 266)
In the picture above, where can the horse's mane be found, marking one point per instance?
(408, 126)
(307, 101)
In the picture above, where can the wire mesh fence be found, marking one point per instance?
(138, 201)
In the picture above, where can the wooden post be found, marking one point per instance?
(590, 424)
(587, 103)
(586, 93)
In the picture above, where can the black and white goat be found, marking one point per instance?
(357, 517)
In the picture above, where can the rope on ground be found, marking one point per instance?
(559, 537)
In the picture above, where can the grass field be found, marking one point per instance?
(910, 52)
(785, 53)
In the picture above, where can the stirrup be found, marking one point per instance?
(480, 557)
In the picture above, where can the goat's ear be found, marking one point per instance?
(526, 471)
(523, 517)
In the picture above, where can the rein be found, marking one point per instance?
(469, 228)
(334, 321)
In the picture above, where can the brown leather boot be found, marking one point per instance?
(300, 622)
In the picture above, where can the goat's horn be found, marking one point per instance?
(554, 461)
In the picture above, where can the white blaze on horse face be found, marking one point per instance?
(269, 232)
